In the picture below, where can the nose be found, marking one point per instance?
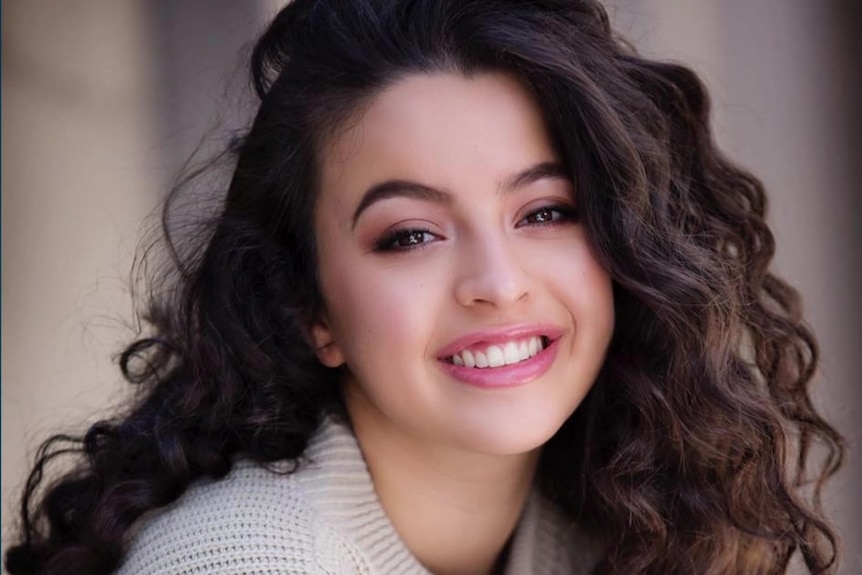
(492, 274)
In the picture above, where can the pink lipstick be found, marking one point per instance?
(503, 357)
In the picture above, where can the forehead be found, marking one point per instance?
(445, 130)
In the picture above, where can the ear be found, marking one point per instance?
(324, 344)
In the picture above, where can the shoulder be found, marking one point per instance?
(254, 520)
(323, 518)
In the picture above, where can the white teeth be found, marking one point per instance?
(499, 355)
(511, 353)
(495, 356)
(467, 356)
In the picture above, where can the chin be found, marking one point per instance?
(513, 435)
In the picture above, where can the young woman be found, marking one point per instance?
(483, 297)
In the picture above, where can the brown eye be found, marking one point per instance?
(541, 216)
(412, 238)
(402, 240)
(550, 215)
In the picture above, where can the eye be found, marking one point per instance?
(549, 215)
(403, 240)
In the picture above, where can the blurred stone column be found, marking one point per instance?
(78, 178)
(102, 103)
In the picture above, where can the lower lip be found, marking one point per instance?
(506, 375)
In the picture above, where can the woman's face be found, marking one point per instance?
(457, 281)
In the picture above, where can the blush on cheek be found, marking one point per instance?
(379, 311)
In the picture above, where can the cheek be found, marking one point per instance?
(599, 310)
(585, 287)
(374, 314)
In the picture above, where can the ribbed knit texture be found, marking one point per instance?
(323, 518)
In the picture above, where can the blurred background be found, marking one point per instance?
(103, 101)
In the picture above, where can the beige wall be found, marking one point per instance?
(83, 163)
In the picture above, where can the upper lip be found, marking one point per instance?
(500, 335)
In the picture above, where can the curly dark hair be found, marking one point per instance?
(692, 452)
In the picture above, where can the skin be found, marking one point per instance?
(483, 254)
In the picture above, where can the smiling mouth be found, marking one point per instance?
(501, 354)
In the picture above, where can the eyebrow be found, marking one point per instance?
(407, 189)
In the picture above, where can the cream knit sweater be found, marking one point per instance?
(323, 518)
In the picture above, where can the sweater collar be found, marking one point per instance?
(339, 487)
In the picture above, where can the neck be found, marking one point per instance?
(455, 510)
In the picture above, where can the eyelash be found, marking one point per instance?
(560, 215)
